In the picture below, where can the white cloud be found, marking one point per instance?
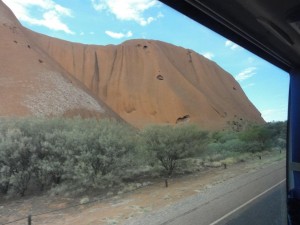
(129, 34)
(128, 10)
(99, 5)
(92, 33)
(208, 55)
(51, 13)
(160, 15)
(248, 85)
(246, 74)
(63, 10)
(118, 35)
(231, 45)
(228, 43)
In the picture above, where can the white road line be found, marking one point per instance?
(246, 203)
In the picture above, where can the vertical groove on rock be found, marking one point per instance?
(110, 74)
(169, 57)
(49, 45)
(122, 66)
(193, 67)
(83, 64)
(123, 73)
(95, 79)
(73, 56)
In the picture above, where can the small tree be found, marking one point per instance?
(54, 163)
(16, 160)
(256, 134)
(172, 143)
(98, 153)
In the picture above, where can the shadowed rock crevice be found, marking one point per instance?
(183, 119)
(95, 80)
(189, 53)
(222, 115)
(107, 81)
(159, 77)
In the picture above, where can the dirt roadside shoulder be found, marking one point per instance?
(121, 208)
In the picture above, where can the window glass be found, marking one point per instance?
(130, 111)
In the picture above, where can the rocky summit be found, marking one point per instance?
(139, 81)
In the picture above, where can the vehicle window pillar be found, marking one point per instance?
(293, 149)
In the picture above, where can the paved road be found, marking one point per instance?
(220, 204)
(270, 208)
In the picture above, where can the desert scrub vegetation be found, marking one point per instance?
(169, 144)
(231, 147)
(78, 155)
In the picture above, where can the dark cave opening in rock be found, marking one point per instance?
(183, 119)
(159, 77)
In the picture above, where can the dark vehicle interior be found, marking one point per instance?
(271, 30)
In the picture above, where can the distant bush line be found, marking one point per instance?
(65, 155)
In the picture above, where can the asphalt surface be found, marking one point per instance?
(239, 199)
(269, 209)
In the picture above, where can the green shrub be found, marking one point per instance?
(256, 135)
(85, 153)
(99, 153)
(75, 155)
(172, 143)
(16, 155)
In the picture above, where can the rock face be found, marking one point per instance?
(32, 83)
(142, 81)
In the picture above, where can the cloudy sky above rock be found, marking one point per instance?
(106, 22)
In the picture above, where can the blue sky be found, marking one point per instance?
(106, 22)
